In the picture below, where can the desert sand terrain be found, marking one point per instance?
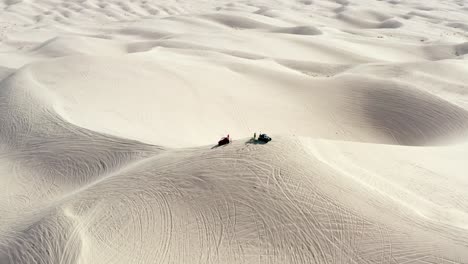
(110, 111)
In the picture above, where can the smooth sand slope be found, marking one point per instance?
(109, 112)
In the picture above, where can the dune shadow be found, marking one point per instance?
(415, 118)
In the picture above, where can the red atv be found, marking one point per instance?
(224, 141)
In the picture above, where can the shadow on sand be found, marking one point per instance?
(255, 142)
(219, 146)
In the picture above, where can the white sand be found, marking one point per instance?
(109, 110)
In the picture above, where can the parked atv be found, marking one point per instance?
(224, 141)
(264, 138)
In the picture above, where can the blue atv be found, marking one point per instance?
(264, 138)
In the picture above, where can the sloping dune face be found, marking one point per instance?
(110, 112)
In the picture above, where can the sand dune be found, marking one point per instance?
(111, 110)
